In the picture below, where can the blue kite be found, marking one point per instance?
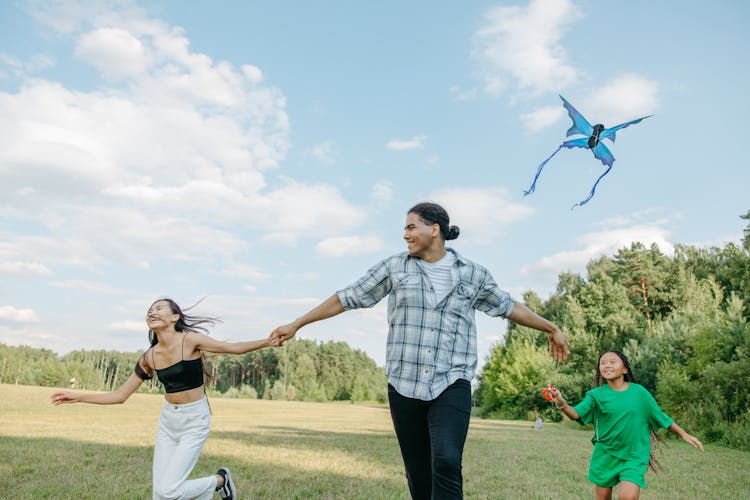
(593, 141)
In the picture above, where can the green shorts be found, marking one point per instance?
(606, 471)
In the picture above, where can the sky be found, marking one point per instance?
(259, 156)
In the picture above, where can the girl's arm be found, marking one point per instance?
(118, 396)
(559, 401)
(692, 440)
(205, 343)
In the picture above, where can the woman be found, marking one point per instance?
(178, 342)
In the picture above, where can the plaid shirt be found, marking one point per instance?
(430, 345)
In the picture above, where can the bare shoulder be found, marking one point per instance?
(194, 340)
(146, 359)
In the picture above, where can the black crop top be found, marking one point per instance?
(184, 375)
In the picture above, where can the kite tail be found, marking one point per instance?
(539, 171)
(593, 189)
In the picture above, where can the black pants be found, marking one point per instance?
(431, 435)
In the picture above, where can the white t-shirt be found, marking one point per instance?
(440, 275)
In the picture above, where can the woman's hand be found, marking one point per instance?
(282, 334)
(65, 397)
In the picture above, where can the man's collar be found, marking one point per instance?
(459, 259)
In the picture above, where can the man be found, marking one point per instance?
(431, 351)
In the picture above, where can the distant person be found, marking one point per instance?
(625, 416)
(431, 352)
(178, 342)
(538, 424)
(72, 383)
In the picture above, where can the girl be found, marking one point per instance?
(178, 342)
(624, 415)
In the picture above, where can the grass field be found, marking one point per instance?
(280, 450)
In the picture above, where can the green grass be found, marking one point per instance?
(281, 450)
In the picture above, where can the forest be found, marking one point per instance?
(304, 370)
(682, 321)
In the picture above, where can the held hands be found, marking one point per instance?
(282, 334)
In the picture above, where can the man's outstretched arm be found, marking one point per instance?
(558, 344)
(326, 309)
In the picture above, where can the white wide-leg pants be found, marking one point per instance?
(182, 431)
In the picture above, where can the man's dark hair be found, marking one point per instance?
(432, 213)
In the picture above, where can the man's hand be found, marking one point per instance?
(281, 334)
(558, 346)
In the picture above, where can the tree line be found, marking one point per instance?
(682, 321)
(303, 370)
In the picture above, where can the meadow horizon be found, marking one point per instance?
(287, 449)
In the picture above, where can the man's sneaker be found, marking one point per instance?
(226, 490)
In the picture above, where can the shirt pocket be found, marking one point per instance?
(408, 289)
(462, 298)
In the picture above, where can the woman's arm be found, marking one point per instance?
(205, 343)
(692, 440)
(118, 396)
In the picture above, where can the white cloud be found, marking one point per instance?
(309, 276)
(480, 214)
(382, 191)
(182, 142)
(542, 118)
(624, 98)
(18, 315)
(305, 210)
(603, 243)
(247, 272)
(349, 245)
(280, 239)
(252, 73)
(324, 153)
(463, 95)
(114, 52)
(23, 68)
(416, 142)
(128, 326)
(522, 44)
(25, 268)
(85, 286)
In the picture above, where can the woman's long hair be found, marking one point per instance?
(656, 440)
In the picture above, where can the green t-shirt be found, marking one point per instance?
(622, 419)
